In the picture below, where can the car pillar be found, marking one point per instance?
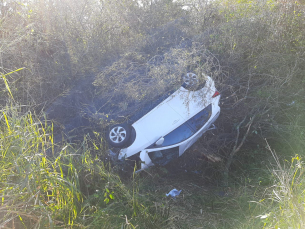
(145, 160)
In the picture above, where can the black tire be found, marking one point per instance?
(190, 81)
(118, 135)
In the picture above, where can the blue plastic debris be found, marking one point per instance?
(173, 193)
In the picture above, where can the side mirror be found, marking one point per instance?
(160, 141)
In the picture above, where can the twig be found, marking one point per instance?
(236, 147)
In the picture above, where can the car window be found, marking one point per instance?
(180, 134)
(162, 157)
(187, 129)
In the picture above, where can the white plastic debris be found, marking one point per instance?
(173, 193)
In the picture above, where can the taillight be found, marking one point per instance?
(215, 94)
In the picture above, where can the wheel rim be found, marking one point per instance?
(117, 134)
(190, 79)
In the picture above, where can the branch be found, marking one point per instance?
(237, 147)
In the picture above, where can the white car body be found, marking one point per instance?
(172, 113)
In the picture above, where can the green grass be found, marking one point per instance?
(71, 187)
(35, 189)
(284, 201)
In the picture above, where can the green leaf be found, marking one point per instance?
(6, 83)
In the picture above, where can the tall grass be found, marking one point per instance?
(284, 201)
(33, 188)
(47, 186)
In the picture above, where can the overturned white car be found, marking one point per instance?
(169, 129)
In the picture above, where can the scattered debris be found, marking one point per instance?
(173, 193)
(213, 158)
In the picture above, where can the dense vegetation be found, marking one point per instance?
(255, 52)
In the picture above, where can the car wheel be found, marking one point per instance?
(119, 135)
(190, 81)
